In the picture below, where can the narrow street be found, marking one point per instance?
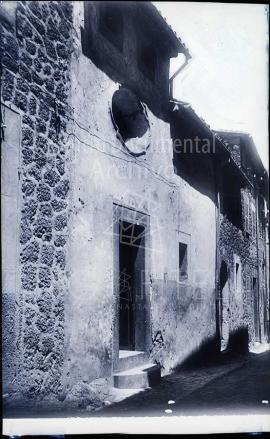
(232, 384)
(239, 385)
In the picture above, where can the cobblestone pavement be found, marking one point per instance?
(237, 386)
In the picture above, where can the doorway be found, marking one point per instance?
(131, 286)
(224, 306)
(256, 309)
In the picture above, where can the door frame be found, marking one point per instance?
(133, 216)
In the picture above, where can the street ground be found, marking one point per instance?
(236, 385)
(231, 384)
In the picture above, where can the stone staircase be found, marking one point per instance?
(135, 371)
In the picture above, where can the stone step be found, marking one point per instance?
(129, 359)
(140, 377)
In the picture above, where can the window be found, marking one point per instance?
(253, 220)
(261, 229)
(248, 282)
(111, 23)
(237, 274)
(230, 198)
(183, 261)
(261, 217)
(246, 212)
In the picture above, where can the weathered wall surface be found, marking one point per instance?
(35, 80)
(239, 305)
(10, 228)
(73, 170)
(184, 313)
(103, 173)
(263, 269)
(124, 67)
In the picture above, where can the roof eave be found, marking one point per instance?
(175, 42)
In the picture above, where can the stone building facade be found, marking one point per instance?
(106, 215)
(35, 77)
(243, 230)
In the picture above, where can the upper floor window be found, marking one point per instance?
(111, 23)
(253, 220)
(261, 217)
(237, 274)
(231, 206)
(230, 199)
(183, 261)
(246, 211)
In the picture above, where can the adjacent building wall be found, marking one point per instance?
(244, 306)
(263, 267)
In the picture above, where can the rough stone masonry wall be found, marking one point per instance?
(241, 307)
(263, 285)
(36, 81)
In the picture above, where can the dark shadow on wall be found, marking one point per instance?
(116, 44)
(207, 354)
(223, 278)
(195, 152)
(223, 275)
(238, 340)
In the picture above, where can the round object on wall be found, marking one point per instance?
(130, 120)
